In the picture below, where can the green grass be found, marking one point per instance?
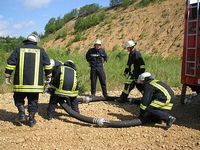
(167, 70)
(3, 57)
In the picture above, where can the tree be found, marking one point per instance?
(114, 3)
(35, 32)
(50, 26)
(88, 9)
(124, 3)
(73, 14)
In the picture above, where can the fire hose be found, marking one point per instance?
(100, 121)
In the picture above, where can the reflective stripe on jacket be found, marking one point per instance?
(65, 82)
(28, 61)
(96, 57)
(157, 94)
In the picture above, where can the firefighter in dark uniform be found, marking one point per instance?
(28, 61)
(64, 88)
(96, 57)
(135, 67)
(156, 102)
(54, 64)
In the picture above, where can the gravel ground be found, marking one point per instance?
(65, 132)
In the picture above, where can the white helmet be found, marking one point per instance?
(97, 41)
(130, 43)
(33, 38)
(143, 76)
(52, 62)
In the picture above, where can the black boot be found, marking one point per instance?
(50, 115)
(170, 121)
(21, 114)
(31, 119)
(123, 98)
(51, 111)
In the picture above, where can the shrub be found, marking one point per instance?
(78, 37)
(144, 3)
(126, 3)
(69, 16)
(61, 35)
(123, 3)
(88, 9)
(77, 48)
(69, 43)
(84, 23)
(116, 48)
(8, 43)
(120, 55)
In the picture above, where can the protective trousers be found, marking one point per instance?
(155, 115)
(52, 104)
(55, 99)
(127, 89)
(32, 100)
(98, 72)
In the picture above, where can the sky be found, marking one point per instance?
(22, 17)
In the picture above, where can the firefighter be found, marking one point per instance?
(28, 61)
(135, 67)
(54, 64)
(64, 88)
(156, 102)
(96, 57)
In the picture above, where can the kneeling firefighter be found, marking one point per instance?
(64, 88)
(156, 102)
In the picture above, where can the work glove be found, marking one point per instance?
(126, 71)
(48, 89)
(7, 79)
(48, 79)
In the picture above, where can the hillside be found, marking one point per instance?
(157, 28)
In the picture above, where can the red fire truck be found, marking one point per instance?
(190, 76)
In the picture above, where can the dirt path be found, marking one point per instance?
(65, 132)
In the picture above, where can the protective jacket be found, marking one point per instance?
(157, 94)
(135, 64)
(57, 65)
(28, 61)
(96, 57)
(65, 82)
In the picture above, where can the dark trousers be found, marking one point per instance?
(128, 88)
(155, 115)
(98, 72)
(32, 100)
(55, 99)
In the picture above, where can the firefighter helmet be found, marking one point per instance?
(70, 64)
(33, 38)
(130, 43)
(97, 41)
(52, 62)
(143, 76)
